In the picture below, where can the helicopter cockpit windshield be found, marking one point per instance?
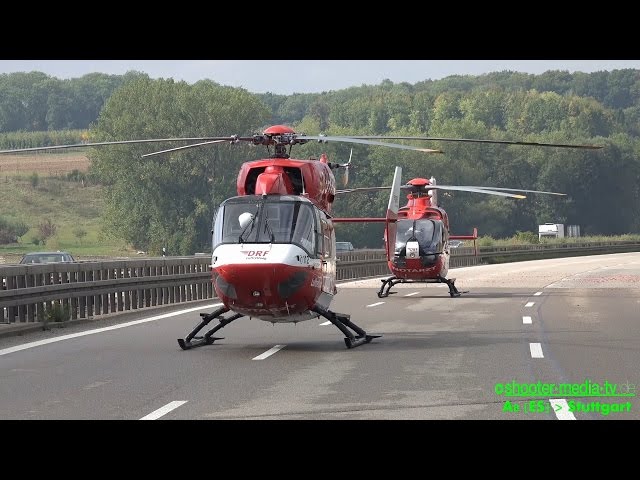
(428, 234)
(256, 219)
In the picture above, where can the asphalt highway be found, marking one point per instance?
(540, 340)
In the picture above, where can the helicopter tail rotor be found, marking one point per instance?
(345, 179)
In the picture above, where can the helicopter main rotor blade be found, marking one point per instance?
(322, 138)
(472, 140)
(464, 188)
(183, 147)
(470, 189)
(521, 190)
(122, 142)
(361, 189)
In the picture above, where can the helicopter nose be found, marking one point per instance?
(248, 283)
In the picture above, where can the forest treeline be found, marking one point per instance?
(35, 101)
(170, 200)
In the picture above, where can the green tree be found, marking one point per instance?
(169, 200)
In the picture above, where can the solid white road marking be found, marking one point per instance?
(24, 346)
(325, 323)
(536, 350)
(269, 352)
(537, 294)
(530, 304)
(375, 304)
(411, 294)
(526, 319)
(163, 410)
(561, 409)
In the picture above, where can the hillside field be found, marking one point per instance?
(43, 164)
(71, 206)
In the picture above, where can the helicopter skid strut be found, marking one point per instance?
(391, 281)
(342, 321)
(207, 339)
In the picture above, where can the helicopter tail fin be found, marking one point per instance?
(392, 213)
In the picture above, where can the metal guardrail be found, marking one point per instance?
(525, 252)
(373, 263)
(90, 289)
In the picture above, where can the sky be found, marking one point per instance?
(305, 76)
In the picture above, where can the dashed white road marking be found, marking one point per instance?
(537, 294)
(411, 294)
(25, 346)
(375, 304)
(269, 352)
(325, 323)
(530, 304)
(561, 409)
(156, 414)
(526, 320)
(536, 350)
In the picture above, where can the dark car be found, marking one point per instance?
(35, 258)
(46, 257)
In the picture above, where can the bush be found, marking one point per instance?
(34, 179)
(525, 237)
(486, 241)
(47, 230)
(11, 231)
(79, 233)
(77, 176)
(54, 313)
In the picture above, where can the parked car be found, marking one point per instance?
(47, 257)
(456, 243)
(344, 247)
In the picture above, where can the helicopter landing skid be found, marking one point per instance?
(342, 321)
(207, 339)
(387, 283)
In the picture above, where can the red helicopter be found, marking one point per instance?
(273, 245)
(417, 235)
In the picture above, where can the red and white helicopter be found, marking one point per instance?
(417, 235)
(273, 245)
